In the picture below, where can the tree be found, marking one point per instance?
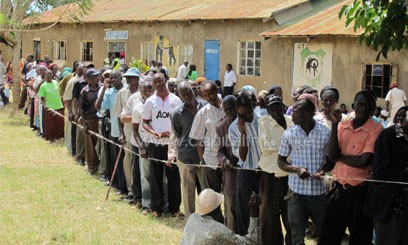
(13, 14)
(384, 23)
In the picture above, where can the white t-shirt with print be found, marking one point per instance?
(159, 111)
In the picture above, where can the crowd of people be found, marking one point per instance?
(266, 162)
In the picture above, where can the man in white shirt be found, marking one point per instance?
(124, 172)
(182, 71)
(156, 121)
(204, 131)
(274, 181)
(397, 98)
(230, 79)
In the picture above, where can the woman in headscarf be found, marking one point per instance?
(329, 97)
(54, 124)
(387, 203)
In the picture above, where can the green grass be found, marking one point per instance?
(46, 199)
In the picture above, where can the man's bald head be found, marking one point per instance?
(186, 93)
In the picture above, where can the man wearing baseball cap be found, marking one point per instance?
(203, 227)
(274, 181)
(89, 118)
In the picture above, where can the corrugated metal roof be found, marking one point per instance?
(325, 23)
(173, 10)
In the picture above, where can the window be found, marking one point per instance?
(37, 49)
(185, 52)
(377, 77)
(117, 47)
(148, 52)
(249, 60)
(87, 51)
(60, 50)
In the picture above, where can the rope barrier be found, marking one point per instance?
(325, 178)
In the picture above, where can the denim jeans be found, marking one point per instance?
(300, 207)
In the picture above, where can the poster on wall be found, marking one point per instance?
(312, 65)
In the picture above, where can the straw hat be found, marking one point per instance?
(208, 200)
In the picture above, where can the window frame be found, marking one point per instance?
(243, 70)
(82, 51)
(37, 55)
(149, 57)
(57, 50)
(393, 75)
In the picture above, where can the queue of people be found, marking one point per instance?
(266, 162)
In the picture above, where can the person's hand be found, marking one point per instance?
(254, 203)
(335, 116)
(122, 140)
(241, 125)
(70, 117)
(157, 135)
(303, 173)
(318, 175)
(165, 134)
(227, 165)
(171, 161)
(85, 129)
(106, 83)
(79, 119)
(143, 153)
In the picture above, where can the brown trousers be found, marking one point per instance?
(91, 157)
(189, 177)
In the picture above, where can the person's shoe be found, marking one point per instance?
(138, 204)
(156, 214)
(178, 215)
(121, 193)
(127, 197)
(146, 211)
(102, 178)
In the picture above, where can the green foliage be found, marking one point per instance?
(139, 64)
(384, 23)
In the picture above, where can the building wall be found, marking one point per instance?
(277, 54)
(229, 32)
(347, 65)
(6, 53)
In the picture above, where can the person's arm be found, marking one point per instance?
(148, 127)
(357, 161)
(101, 96)
(283, 164)
(243, 145)
(36, 89)
(122, 137)
(197, 132)
(387, 105)
(222, 156)
(175, 137)
(234, 78)
(333, 149)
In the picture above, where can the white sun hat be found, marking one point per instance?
(208, 200)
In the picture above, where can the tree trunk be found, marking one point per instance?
(16, 68)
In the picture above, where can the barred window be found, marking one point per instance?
(87, 51)
(377, 77)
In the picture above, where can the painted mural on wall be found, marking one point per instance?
(170, 54)
(312, 65)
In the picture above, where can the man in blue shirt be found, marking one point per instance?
(243, 134)
(305, 143)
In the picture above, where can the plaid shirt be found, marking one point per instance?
(307, 151)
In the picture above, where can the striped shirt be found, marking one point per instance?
(307, 151)
(254, 151)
